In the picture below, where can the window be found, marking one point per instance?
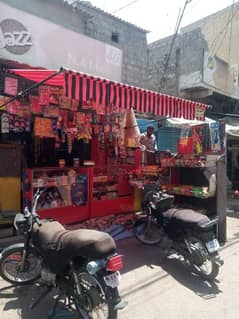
(115, 37)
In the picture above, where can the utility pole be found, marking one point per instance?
(165, 68)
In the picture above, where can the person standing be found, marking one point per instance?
(148, 140)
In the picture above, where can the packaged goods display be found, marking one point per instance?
(82, 143)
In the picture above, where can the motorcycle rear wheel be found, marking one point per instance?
(96, 299)
(10, 266)
(147, 233)
(208, 269)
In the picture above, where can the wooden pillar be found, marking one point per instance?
(222, 198)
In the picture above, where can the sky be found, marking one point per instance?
(160, 16)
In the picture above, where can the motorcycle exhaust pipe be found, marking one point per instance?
(95, 265)
(113, 263)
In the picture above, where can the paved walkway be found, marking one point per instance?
(154, 289)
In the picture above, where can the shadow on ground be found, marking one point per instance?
(21, 298)
(136, 255)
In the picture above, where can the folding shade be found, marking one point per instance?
(86, 88)
(102, 92)
(37, 75)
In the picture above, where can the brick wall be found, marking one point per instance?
(160, 78)
(131, 40)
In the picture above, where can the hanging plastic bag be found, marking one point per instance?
(185, 144)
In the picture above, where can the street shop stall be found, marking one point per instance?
(189, 163)
(79, 138)
(232, 133)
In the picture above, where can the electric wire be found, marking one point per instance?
(230, 34)
(216, 45)
(165, 67)
(216, 49)
(229, 48)
(190, 10)
(125, 6)
(217, 42)
(177, 22)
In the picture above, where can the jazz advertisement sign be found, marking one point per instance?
(28, 39)
(14, 37)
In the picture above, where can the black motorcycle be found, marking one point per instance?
(82, 264)
(191, 234)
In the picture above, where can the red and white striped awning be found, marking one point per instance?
(89, 89)
(86, 88)
(37, 75)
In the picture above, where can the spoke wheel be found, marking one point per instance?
(148, 232)
(14, 271)
(207, 269)
(94, 302)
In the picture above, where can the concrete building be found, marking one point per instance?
(79, 36)
(204, 62)
(125, 36)
(158, 77)
(203, 66)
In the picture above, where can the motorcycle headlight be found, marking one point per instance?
(20, 222)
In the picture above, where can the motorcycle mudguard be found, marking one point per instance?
(18, 245)
(218, 259)
(15, 246)
(208, 225)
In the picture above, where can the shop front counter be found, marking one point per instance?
(75, 194)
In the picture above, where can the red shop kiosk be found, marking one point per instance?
(73, 114)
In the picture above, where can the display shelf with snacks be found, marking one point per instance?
(148, 174)
(111, 192)
(75, 194)
(188, 190)
(189, 161)
(193, 182)
(65, 189)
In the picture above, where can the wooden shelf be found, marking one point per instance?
(190, 195)
(104, 192)
(185, 166)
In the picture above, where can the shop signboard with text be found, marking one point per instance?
(28, 39)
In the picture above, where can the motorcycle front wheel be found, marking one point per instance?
(13, 270)
(207, 269)
(96, 299)
(147, 232)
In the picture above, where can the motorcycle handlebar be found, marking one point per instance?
(35, 217)
(37, 220)
(35, 199)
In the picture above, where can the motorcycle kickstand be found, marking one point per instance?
(53, 311)
(42, 296)
(63, 313)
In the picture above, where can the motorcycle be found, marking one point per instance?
(190, 234)
(82, 264)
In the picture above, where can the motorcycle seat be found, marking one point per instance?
(88, 243)
(186, 216)
(52, 236)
